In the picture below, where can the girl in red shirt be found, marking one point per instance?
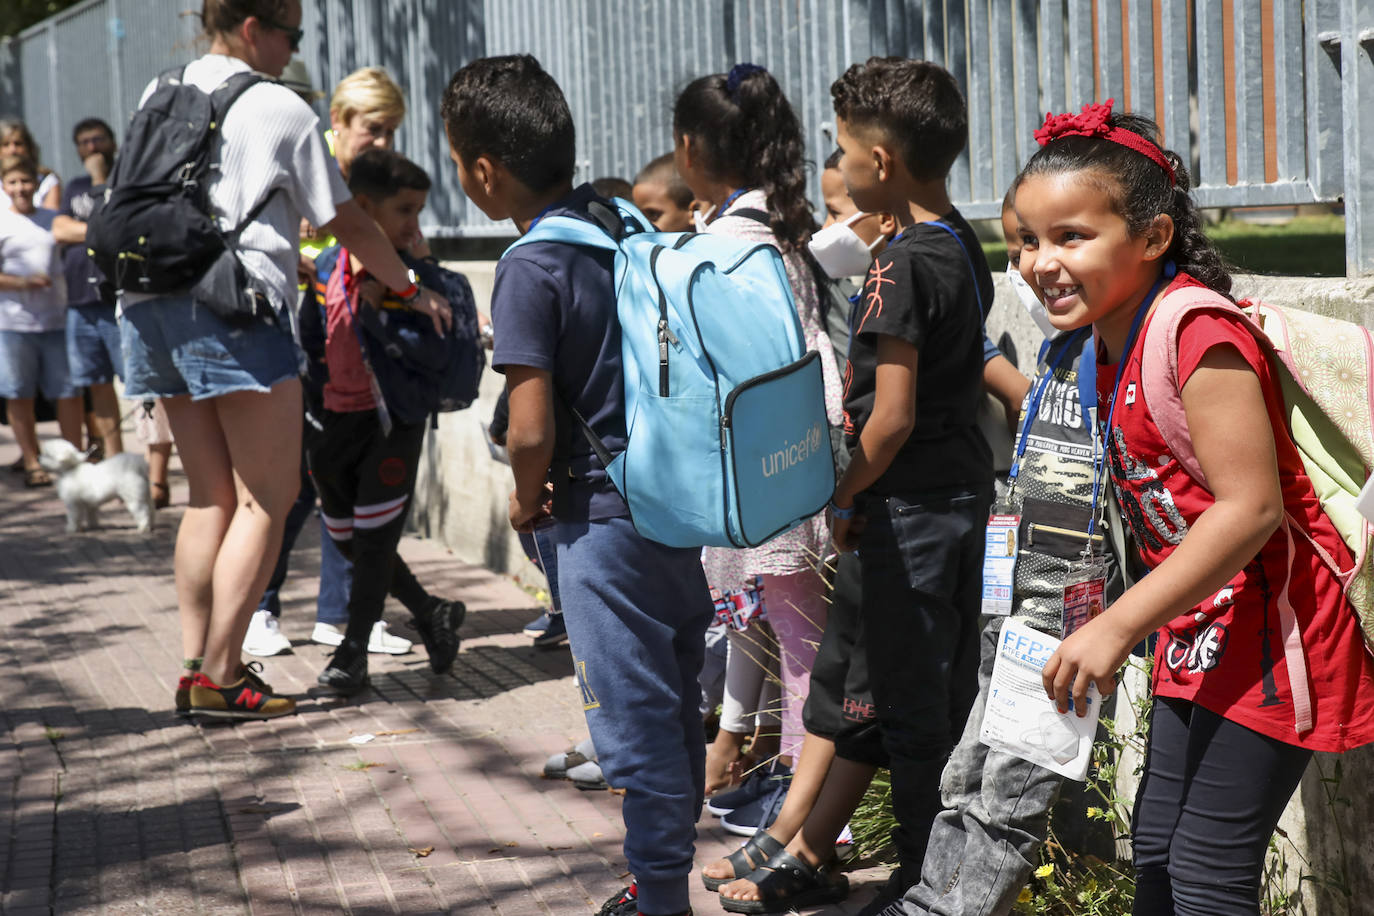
(1259, 661)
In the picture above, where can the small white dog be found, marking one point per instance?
(84, 487)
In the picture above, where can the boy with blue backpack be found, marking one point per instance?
(389, 368)
(636, 609)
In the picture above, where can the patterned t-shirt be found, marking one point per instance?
(1227, 653)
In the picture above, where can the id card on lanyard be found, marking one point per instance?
(1085, 583)
(1001, 543)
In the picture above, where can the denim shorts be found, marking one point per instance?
(33, 361)
(173, 347)
(94, 352)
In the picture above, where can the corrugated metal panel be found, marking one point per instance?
(622, 61)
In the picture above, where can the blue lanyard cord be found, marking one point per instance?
(542, 213)
(720, 211)
(1071, 345)
(1100, 450)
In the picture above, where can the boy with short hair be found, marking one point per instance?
(33, 319)
(636, 610)
(921, 473)
(663, 196)
(365, 473)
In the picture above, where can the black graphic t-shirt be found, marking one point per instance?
(928, 289)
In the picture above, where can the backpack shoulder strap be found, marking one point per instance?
(568, 230)
(227, 93)
(1160, 384)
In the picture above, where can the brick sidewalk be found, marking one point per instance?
(116, 806)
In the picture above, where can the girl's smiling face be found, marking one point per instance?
(1077, 250)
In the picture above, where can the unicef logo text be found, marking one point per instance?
(793, 454)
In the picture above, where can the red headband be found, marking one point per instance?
(1092, 122)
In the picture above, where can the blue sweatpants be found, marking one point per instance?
(637, 613)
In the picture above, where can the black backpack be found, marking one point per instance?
(154, 233)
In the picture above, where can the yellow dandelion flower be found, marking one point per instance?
(1044, 871)
(1024, 896)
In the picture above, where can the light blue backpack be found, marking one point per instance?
(725, 409)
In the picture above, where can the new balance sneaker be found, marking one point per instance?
(557, 766)
(346, 673)
(554, 635)
(182, 699)
(380, 642)
(239, 700)
(588, 776)
(264, 637)
(438, 627)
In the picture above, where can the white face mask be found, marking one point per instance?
(840, 251)
(701, 217)
(1031, 303)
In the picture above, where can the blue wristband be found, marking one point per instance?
(837, 512)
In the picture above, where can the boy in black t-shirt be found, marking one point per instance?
(636, 610)
(915, 497)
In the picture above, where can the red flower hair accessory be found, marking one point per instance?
(1092, 121)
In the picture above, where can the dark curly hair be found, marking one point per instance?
(511, 110)
(745, 130)
(1139, 191)
(915, 104)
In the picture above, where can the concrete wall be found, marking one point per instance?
(461, 500)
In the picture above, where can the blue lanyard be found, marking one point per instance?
(542, 213)
(720, 211)
(1072, 344)
(1098, 462)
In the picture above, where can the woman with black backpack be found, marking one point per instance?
(228, 372)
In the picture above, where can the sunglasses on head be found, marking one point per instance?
(293, 36)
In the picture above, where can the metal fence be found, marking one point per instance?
(1272, 101)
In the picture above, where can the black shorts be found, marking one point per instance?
(840, 704)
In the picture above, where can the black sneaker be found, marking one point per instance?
(625, 903)
(554, 635)
(346, 673)
(438, 628)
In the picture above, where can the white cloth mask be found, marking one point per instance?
(700, 218)
(840, 251)
(1031, 303)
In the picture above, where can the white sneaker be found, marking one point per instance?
(381, 642)
(265, 638)
(326, 634)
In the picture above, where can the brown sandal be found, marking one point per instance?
(162, 497)
(37, 477)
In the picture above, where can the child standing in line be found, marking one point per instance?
(914, 500)
(663, 196)
(738, 146)
(1109, 232)
(636, 610)
(997, 805)
(364, 471)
